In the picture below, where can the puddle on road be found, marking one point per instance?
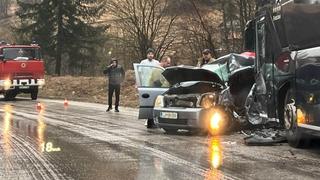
(41, 127)
(43, 145)
(82, 159)
(7, 121)
(25, 127)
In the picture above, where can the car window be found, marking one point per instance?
(151, 76)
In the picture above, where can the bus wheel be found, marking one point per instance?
(294, 134)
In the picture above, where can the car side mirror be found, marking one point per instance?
(1, 57)
(249, 39)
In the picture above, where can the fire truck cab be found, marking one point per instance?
(21, 70)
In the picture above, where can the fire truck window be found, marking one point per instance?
(21, 53)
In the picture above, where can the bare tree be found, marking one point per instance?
(207, 30)
(235, 13)
(247, 9)
(199, 29)
(4, 7)
(144, 24)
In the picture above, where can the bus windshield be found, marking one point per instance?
(301, 26)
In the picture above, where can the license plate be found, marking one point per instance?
(23, 87)
(169, 115)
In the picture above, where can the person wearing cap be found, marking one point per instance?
(150, 58)
(116, 76)
(206, 58)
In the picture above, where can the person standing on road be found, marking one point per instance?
(116, 76)
(206, 58)
(150, 58)
(150, 61)
(157, 80)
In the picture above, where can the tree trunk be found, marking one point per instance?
(225, 28)
(59, 39)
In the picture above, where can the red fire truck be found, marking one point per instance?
(21, 70)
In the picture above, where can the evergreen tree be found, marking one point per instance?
(65, 29)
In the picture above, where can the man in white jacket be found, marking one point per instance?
(150, 58)
(150, 61)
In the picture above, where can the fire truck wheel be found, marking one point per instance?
(9, 95)
(34, 94)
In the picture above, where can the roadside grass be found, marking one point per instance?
(89, 89)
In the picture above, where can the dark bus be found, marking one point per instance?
(285, 35)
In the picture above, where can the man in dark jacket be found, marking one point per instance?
(206, 58)
(116, 76)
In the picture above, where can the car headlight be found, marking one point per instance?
(215, 121)
(208, 100)
(159, 102)
(218, 122)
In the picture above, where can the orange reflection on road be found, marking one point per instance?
(41, 127)
(215, 159)
(215, 153)
(7, 117)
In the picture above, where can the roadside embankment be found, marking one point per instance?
(88, 89)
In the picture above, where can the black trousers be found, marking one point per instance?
(114, 88)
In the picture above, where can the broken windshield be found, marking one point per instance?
(227, 64)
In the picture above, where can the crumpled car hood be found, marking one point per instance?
(194, 87)
(178, 74)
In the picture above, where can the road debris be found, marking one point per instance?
(264, 137)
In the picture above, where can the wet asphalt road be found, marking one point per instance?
(82, 141)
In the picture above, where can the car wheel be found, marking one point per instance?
(170, 130)
(296, 138)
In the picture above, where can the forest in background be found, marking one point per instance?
(79, 37)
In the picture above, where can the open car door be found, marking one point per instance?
(150, 83)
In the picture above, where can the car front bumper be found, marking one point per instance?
(187, 118)
(21, 84)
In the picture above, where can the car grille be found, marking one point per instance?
(181, 101)
(174, 121)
